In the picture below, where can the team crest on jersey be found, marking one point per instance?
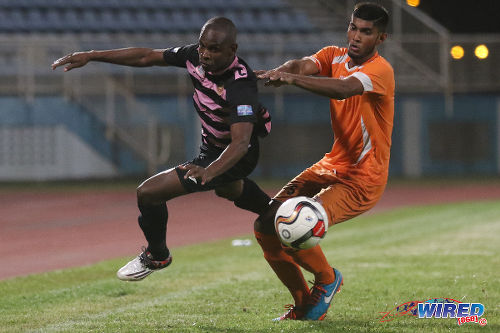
(220, 90)
(244, 110)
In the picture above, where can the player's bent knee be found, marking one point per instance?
(141, 195)
(146, 196)
(230, 191)
(225, 193)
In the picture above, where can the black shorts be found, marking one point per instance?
(207, 155)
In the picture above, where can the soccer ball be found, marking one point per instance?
(301, 222)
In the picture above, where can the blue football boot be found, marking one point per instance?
(321, 297)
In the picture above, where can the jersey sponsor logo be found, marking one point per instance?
(244, 110)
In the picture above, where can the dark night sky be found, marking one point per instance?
(465, 16)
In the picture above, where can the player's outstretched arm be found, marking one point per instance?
(304, 66)
(133, 56)
(325, 86)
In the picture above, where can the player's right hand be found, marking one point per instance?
(259, 72)
(267, 75)
(74, 60)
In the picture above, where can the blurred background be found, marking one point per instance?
(107, 121)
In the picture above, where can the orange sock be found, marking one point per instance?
(285, 268)
(313, 260)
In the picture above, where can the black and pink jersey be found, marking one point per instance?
(221, 100)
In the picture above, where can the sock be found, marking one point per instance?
(153, 222)
(285, 268)
(313, 260)
(252, 198)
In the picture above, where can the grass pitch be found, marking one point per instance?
(387, 259)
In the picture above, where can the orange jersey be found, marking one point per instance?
(362, 124)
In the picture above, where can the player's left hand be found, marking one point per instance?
(197, 172)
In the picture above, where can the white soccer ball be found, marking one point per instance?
(301, 222)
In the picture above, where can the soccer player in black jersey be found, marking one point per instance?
(226, 100)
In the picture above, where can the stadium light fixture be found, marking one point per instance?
(457, 52)
(413, 3)
(481, 51)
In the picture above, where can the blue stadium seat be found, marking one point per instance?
(18, 19)
(197, 19)
(267, 21)
(25, 4)
(221, 4)
(77, 4)
(70, 20)
(127, 21)
(6, 22)
(90, 21)
(180, 21)
(147, 15)
(86, 4)
(143, 21)
(161, 21)
(209, 13)
(246, 21)
(165, 4)
(55, 20)
(262, 4)
(284, 22)
(36, 22)
(112, 4)
(57, 3)
(108, 21)
(301, 22)
(196, 5)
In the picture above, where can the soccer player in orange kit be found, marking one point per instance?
(351, 178)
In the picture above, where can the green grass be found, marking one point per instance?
(386, 259)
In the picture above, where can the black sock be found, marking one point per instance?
(153, 222)
(252, 198)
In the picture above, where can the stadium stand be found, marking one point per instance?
(118, 111)
(42, 16)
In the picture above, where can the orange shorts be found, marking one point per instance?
(342, 199)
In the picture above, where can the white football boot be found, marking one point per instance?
(141, 266)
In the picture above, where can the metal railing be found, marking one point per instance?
(418, 52)
(126, 119)
(25, 72)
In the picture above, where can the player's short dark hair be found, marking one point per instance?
(223, 24)
(373, 12)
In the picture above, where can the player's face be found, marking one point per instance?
(363, 38)
(216, 52)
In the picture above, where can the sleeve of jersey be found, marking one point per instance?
(243, 101)
(323, 60)
(375, 78)
(177, 56)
